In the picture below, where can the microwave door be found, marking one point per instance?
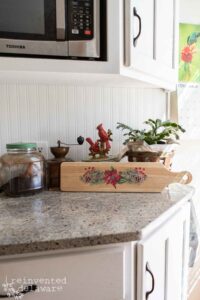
(32, 27)
(84, 28)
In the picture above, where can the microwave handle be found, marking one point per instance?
(97, 27)
(60, 20)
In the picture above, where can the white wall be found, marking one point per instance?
(190, 11)
(48, 112)
(187, 156)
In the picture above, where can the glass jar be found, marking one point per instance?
(22, 170)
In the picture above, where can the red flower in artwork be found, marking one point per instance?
(112, 177)
(187, 54)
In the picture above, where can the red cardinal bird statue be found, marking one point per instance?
(94, 147)
(102, 146)
(102, 133)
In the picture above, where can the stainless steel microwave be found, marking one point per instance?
(59, 28)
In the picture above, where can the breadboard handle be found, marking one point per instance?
(186, 177)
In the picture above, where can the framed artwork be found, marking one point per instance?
(189, 53)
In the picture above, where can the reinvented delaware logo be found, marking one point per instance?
(27, 285)
(10, 290)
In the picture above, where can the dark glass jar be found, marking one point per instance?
(22, 170)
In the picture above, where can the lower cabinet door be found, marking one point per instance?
(90, 275)
(163, 261)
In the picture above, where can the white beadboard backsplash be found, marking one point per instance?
(43, 112)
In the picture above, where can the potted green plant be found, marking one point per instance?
(160, 136)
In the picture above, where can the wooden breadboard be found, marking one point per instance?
(118, 177)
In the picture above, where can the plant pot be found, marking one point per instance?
(143, 156)
(139, 152)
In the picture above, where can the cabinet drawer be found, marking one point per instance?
(85, 275)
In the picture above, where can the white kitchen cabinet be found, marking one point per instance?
(152, 61)
(152, 37)
(156, 264)
(163, 260)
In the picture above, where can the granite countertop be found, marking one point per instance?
(55, 220)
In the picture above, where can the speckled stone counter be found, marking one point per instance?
(55, 220)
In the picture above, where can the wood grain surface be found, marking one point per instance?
(118, 177)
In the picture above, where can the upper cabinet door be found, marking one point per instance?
(151, 36)
(165, 32)
(167, 37)
(163, 261)
(140, 33)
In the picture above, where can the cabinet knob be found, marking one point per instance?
(15, 294)
(135, 39)
(153, 281)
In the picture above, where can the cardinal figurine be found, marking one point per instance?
(102, 146)
(94, 147)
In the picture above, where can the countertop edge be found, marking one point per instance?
(44, 246)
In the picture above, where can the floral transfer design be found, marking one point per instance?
(113, 177)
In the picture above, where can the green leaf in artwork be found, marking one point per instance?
(122, 180)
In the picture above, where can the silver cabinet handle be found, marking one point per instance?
(153, 281)
(26, 290)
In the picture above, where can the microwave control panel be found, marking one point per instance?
(81, 19)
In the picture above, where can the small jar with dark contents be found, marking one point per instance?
(22, 170)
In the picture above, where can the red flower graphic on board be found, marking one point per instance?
(112, 177)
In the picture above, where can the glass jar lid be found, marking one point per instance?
(22, 146)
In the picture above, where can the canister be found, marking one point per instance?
(22, 170)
